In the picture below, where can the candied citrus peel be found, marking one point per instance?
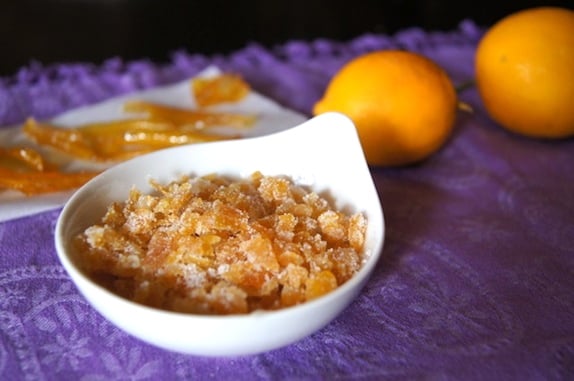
(115, 140)
(21, 158)
(185, 118)
(222, 88)
(222, 245)
(33, 183)
(25, 169)
(157, 126)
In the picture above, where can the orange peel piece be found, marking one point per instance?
(24, 169)
(186, 118)
(33, 183)
(22, 158)
(223, 88)
(68, 140)
(116, 140)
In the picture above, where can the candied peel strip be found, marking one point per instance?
(118, 140)
(115, 140)
(223, 88)
(22, 157)
(32, 174)
(68, 140)
(33, 183)
(189, 118)
(25, 169)
(120, 126)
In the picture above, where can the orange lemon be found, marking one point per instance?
(402, 103)
(524, 68)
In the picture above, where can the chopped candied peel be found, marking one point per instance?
(216, 245)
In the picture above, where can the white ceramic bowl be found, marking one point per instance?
(324, 153)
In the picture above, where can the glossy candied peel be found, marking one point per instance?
(150, 127)
(26, 170)
(217, 245)
(227, 87)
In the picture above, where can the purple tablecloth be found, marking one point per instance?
(476, 279)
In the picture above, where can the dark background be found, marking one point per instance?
(56, 31)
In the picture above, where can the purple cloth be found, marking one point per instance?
(476, 279)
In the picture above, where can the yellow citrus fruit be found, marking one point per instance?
(402, 103)
(524, 69)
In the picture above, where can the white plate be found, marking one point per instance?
(323, 153)
(271, 118)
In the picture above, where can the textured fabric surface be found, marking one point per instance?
(476, 279)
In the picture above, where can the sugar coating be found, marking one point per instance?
(219, 245)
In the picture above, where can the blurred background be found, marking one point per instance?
(57, 31)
